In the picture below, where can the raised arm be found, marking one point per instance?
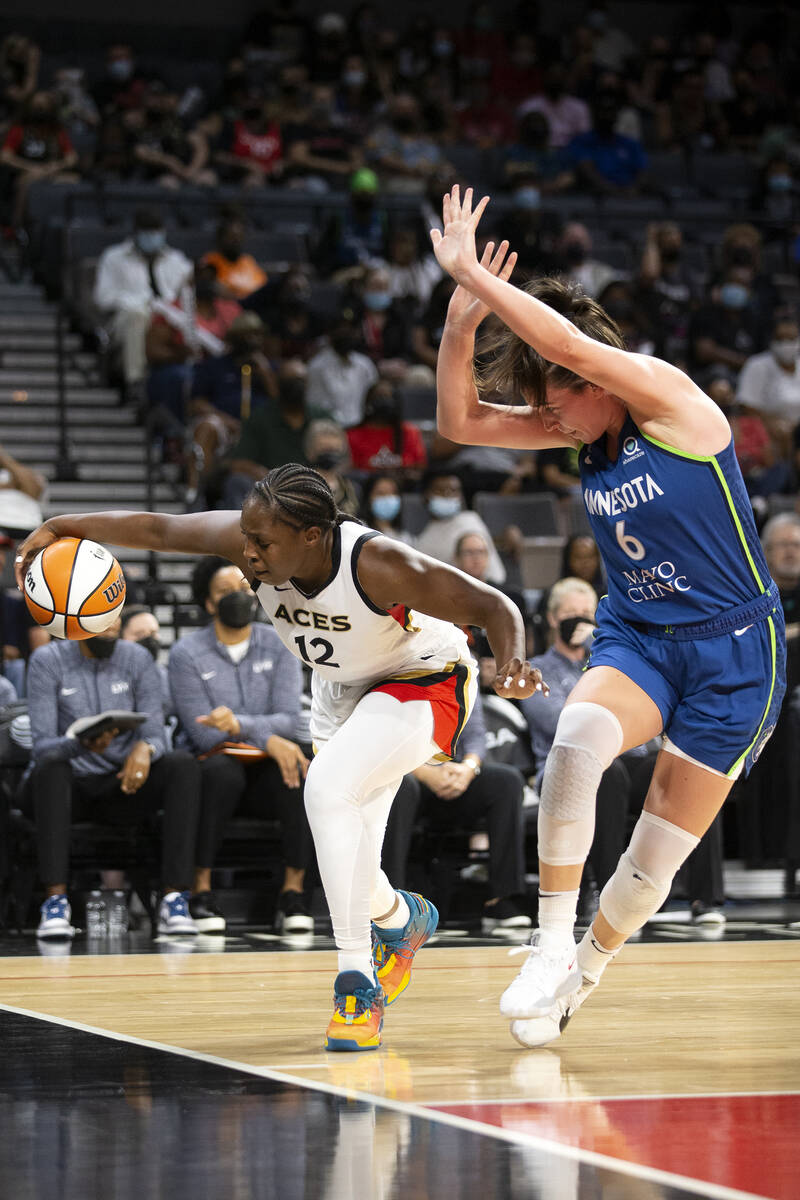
(392, 573)
(653, 390)
(461, 415)
(195, 533)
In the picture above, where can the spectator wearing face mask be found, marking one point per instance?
(578, 265)
(356, 235)
(122, 84)
(769, 384)
(727, 330)
(449, 520)
(412, 274)
(37, 148)
(274, 434)
(776, 194)
(325, 448)
(167, 151)
(225, 391)
(565, 115)
(238, 274)
(741, 246)
(531, 158)
(139, 624)
(339, 375)
(382, 507)
(763, 471)
(383, 441)
(667, 288)
(20, 59)
(532, 231)
(321, 152)
(401, 150)
(131, 275)
(234, 684)
(385, 326)
(604, 161)
(251, 145)
(116, 778)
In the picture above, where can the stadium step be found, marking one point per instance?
(125, 494)
(24, 414)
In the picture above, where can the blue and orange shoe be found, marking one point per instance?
(357, 1018)
(393, 950)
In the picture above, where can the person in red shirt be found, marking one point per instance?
(253, 148)
(383, 440)
(37, 147)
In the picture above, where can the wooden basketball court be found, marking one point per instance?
(680, 1076)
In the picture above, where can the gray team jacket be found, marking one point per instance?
(63, 685)
(263, 690)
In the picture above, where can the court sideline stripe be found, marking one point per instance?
(606, 1099)
(710, 1191)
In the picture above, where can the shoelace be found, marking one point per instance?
(364, 1001)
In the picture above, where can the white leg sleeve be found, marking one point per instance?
(348, 794)
(588, 739)
(644, 875)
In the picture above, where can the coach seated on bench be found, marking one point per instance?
(236, 691)
(116, 778)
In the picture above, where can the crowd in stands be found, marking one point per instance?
(327, 355)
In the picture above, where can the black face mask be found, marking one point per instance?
(101, 647)
(567, 627)
(206, 290)
(344, 344)
(236, 610)
(328, 460)
(670, 254)
(151, 644)
(575, 252)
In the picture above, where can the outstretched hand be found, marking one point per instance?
(466, 310)
(455, 248)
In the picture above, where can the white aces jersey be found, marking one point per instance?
(344, 637)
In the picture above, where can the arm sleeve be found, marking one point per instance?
(190, 700)
(287, 683)
(42, 691)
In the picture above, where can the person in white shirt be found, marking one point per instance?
(769, 383)
(339, 377)
(412, 275)
(575, 246)
(131, 275)
(449, 521)
(566, 115)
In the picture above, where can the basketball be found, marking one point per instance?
(74, 588)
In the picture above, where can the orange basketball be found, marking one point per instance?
(74, 588)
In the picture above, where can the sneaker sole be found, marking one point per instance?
(67, 931)
(210, 924)
(182, 930)
(295, 924)
(512, 925)
(350, 1045)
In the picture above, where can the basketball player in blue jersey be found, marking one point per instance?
(392, 687)
(690, 640)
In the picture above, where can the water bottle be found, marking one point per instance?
(96, 921)
(117, 914)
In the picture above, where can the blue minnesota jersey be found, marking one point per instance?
(675, 530)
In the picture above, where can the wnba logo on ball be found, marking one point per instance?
(114, 589)
(630, 448)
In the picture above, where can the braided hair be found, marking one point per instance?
(300, 497)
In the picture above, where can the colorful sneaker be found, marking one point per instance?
(56, 918)
(538, 1031)
(549, 972)
(206, 913)
(357, 1018)
(393, 950)
(174, 915)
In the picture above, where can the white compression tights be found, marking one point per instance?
(349, 791)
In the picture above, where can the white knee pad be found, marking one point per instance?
(588, 739)
(644, 875)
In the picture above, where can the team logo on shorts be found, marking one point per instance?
(765, 738)
(631, 450)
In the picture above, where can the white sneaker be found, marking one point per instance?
(174, 915)
(538, 1031)
(549, 972)
(56, 918)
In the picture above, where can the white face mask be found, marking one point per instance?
(786, 351)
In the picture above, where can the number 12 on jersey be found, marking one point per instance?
(325, 657)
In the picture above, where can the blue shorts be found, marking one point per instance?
(719, 697)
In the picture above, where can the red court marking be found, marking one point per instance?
(744, 1142)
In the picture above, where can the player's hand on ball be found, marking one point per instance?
(27, 551)
(516, 680)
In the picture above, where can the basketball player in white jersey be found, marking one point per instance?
(392, 688)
